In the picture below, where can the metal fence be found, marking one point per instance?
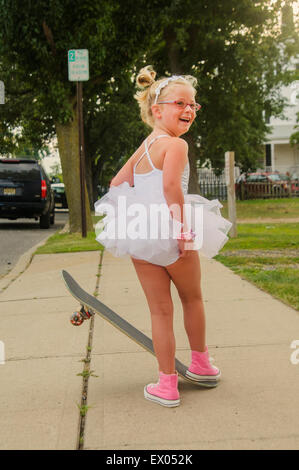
(213, 190)
(213, 186)
(218, 190)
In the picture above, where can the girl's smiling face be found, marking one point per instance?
(170, 117)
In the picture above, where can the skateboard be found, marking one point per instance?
(91, 305)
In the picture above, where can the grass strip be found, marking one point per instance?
(265, 237)
(265, 208)
(268, 256)
(70, 243)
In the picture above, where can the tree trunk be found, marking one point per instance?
(89, 180)
(175, 67)
(68, 144)
(95, 182)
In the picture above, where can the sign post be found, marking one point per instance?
(231, 193)
(78, 71)
(2, 93)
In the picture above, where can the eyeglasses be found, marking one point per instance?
(183, 104)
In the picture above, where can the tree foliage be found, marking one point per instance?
(34, 40)
(236, 49)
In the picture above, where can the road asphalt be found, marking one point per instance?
(250, 336)
(18, 236)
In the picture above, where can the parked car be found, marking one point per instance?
(262, 184)
(59, 192)
(25, 191)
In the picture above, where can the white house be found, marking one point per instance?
(279, 155)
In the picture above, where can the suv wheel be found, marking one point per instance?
(45, 220)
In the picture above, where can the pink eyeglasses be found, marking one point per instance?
(183, 104)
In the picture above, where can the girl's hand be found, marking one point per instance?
(185, 248)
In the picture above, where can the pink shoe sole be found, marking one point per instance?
(160, 401)
(199, 378)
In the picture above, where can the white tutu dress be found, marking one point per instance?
(138, 222)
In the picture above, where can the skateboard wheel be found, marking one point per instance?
(77, 319)
(86, 314)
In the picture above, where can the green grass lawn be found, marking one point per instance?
(265, 208)
(71, 242)
(265, 237)
(68, 243)
(268, 256)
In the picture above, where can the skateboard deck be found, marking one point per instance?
(91, 305)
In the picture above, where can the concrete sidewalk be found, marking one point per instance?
(255, 406)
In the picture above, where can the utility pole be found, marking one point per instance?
(78, 68)
(81, 157)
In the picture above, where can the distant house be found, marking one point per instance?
(279, 155)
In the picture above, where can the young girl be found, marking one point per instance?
(157, 176)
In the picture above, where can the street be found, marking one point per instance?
(18, 236)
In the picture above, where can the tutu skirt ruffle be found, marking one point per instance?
(140, 225)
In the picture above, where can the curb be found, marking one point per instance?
(23, 263)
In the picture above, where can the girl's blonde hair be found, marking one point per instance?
(150, 90)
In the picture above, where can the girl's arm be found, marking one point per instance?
(175, 160)
(124, 174)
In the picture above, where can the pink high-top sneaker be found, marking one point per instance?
(165, 392)
(201, 368)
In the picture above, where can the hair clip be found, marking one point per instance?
(165, 83)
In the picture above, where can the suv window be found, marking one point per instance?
(19, 171)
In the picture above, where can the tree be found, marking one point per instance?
(233, 49)
(34, 40)
(112, 130)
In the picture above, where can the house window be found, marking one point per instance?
(268, 155)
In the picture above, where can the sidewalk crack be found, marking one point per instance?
(83, 407)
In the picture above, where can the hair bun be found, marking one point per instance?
(146, 77)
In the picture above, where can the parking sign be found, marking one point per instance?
(78, 65)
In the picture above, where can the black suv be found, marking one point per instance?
(25, 191)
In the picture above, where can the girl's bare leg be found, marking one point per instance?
(186, 275)
(155, 282)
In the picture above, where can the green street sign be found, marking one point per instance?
(2, 93)
(78, 65)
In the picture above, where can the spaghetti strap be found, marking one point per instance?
(138, 221)
(146, 152)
